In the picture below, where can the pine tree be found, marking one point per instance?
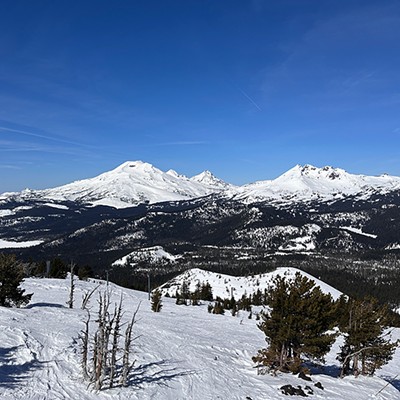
(218, 308)
(185, 292)
(206, 292)
(11, 276)
(156, 302)
(297, 324)
(365, 348)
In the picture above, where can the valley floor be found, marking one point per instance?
(181, 352)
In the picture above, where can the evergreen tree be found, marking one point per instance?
(156, 303)
(58, 269)
(365, 348)
(185, 293)
(206, 292)
(218, 308)
(85, 272)
(296, 325)
(11, 276)
(257, 298)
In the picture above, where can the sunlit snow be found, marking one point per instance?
(181, 353)
(7, 244)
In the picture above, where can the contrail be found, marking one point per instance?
(250, 99)
(39, 136)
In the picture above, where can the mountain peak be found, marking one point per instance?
(207, 178)
(310, 171)
(133, 166)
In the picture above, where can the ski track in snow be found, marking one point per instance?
(183, 352)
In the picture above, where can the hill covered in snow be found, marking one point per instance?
(181, 353)
(225, 286)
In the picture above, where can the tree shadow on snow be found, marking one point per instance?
(394, 382)
(55, 305)
(12, 375)
(330, 370)
(158, 372)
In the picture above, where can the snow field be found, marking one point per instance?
(183, 352)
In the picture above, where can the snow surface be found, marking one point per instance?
(394, 246)
(358, 231)
(7, 244)
(225, 286)
(54, 205)
(181, 353)
(6, 213)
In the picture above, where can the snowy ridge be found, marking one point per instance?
(226, 285)
(181, 353)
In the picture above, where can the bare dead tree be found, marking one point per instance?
(116, 336)
(84, 336)
(102, 340)
(70, 302)
(106, 350)
(87, 296)
(126, 364)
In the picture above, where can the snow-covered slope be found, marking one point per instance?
(226, 285)
(305, 183)
(131, 183)
(181, 353)
(152, 254)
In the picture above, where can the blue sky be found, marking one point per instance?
(246, 89)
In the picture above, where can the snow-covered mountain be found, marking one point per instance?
(307, 183)
(132, 183)
(137, 182)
